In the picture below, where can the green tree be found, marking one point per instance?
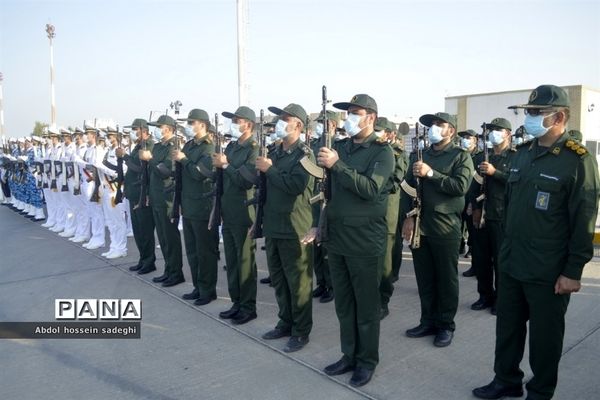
(39, 127)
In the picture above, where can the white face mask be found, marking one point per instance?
(189, 131)
(281, 129)
(273, 136)
(319, 129)
(133, 137)
(496, 137)
(157, 133)
(235, 131)
(379, 134)
(351, 125)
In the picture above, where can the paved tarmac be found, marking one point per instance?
(187, 352)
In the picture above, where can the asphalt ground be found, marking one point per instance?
(187, 352)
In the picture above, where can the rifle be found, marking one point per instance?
(260, 195)
(120, 174)
(144, 177)
(415, 241)
(324, 195)
(95, 176)
(215, 213)
(483, 179)
(53, 176)
(176, 170)
(63, 170)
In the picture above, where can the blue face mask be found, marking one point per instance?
(518, 141)
(435, 134)
(189, 132)
(319, 129)
(496, 137)
(281, 129)
(465, 143)
(235, 131)
(351, 125)
(534, 125)
(157, 133)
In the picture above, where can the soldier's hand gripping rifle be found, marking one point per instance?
(482, 180)
(120, 174)
(215, 213)
(260, 195)
(415, 241)
(323, 174)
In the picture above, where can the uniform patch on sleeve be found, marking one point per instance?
(542, 201)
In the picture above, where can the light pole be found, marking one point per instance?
(51, 35)
(241, 52)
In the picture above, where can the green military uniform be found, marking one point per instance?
(392, 216)
(552, 203)
(443, 200)
(237, 220)
(287, 218)
(468, 230)
(201, 244)
(142, 221)
(356, 218)
(488, 239)
(161, 193)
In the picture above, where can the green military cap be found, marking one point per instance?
(468, 132)
(575, 134)
(546, 96)
(164, 120)
(428, 119)
(271, 123)
(391, 126)
(360, 100)
(138, 123)
(331, 115)
(381, 124)
(196, 115)
(295, 110)
(242, 112)
(212, 129)
(499, 123)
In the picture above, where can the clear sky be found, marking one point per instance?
(121, 59)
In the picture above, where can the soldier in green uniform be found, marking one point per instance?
(397, 142)
(142, 220)
(239, 173)
(468, 142)
(445, 175)
(386, 286)
(287, 217)
(324, 289)
(551, 207)
(488, 230)
(201, 244)
(161, 192)
(360, 166)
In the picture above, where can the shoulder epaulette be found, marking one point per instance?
(576, 147)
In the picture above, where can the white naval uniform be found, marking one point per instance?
(114, 214)
(82, 230)
(94, 155)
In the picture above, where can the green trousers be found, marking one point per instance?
(241, 267)
(170, 242)
(519, 302)
(142, 223)
(321, 266)
(437, 280)
(357, 305)
(486, 248)
(201, 246)
(291, 277)
(386, 287)
(398, 247)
